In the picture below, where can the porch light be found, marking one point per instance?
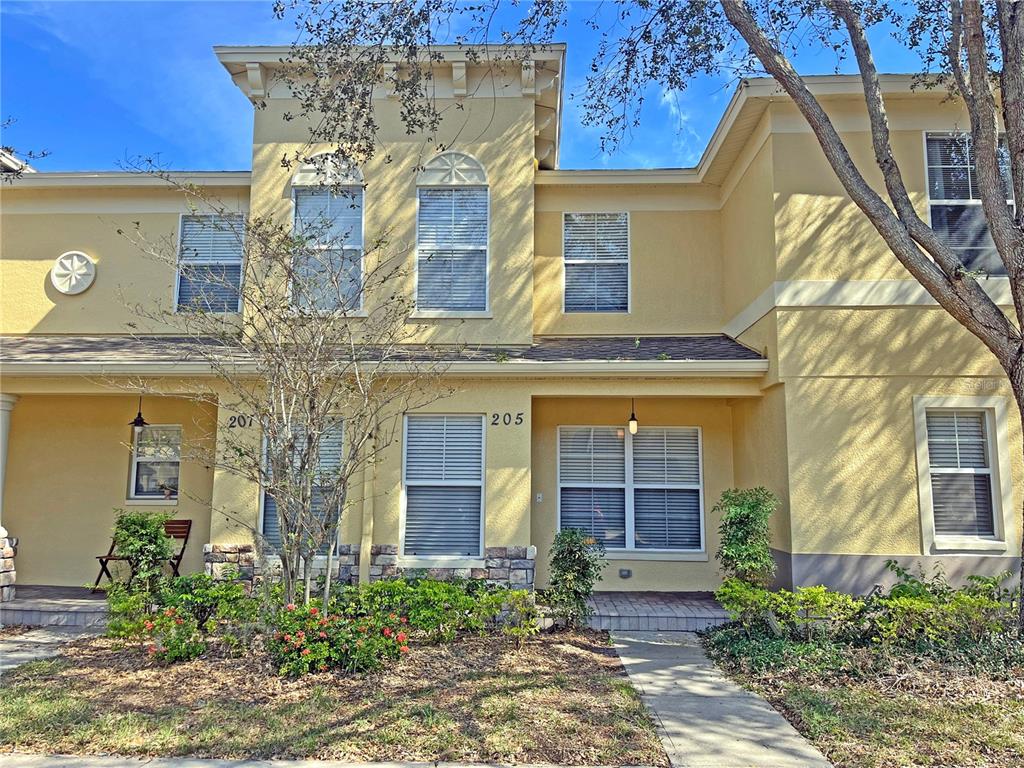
(138, 422)
(634, 425)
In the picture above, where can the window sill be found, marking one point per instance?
(414, 561)
(956, 544)
(438, 314)
(656, 555)
(151, 502)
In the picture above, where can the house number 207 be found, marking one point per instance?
(507, 419)
(239, 421)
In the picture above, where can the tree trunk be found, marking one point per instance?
(1016, 374)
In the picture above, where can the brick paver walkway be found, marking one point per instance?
(656, 611)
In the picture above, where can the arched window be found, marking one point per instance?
(328, 200)
(451, 235)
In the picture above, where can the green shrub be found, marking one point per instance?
(208, 601)
(745, 548)
(577, 560)
(735, 648)
(308, 640)
(519, 618)
(139, 538)
(806, 613)
(127, 610)
(173, 636)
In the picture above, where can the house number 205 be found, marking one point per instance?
(507, 419)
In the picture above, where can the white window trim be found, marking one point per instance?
(930, 201)
(630, 551)
(155, 501)
(628, 261)
(997, 430)
(217, 262)
(472, 314)
(445, 561)
(360, 310)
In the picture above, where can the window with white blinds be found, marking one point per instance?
(444, 481)
(329, 270)
(960, 465)
(210, 263)
(640, 491)
(331, 447)
(451, 238)
(955, 202)
(595, 250)
(156, 462)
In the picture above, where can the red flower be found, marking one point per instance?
(313, 611)
(362, 629)
(290, 607)
(387, 632)
(400, 637)
(179, 620)
(404, 649)
(323, 622)
(392, 616)
(287, 638)
(404, 620)
(169, 612)
(300, 633)
(149, 625)
(305, 651)
(323, 635)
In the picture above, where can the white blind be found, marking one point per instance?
(591, 455)
(331, 458)
(332, 218)
(452, 249)
(444, 472)
(961, 474)
(156, 461)
(210, 263)
(596, 256)
(952, 177)
(666, 456)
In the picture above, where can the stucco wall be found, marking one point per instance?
(68, 469)
(38, 225)
(653, 572)
(675, 260)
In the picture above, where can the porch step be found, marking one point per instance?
(54, 607)
(656, 611)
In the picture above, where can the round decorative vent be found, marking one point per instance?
(72, 272)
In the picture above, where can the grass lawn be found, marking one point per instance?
(564, 698)
(920, 716)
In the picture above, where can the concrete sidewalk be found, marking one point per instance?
(704, 719)
(38, 644)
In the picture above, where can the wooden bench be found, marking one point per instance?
(176, 529)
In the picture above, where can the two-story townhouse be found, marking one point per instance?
(659, 336)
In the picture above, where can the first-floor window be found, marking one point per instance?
(331, 445)
(641, 491)
(156, 461)
(444, 474)
(960, 468)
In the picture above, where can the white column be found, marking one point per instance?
(6, 406)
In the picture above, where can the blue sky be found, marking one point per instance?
(97, 82)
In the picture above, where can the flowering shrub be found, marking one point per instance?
(307, 639)
(173, 636)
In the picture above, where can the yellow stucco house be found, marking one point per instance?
(743, 309)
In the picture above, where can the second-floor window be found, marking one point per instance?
(329, 266)
(210, 263)
(595, 249)
(955, 202)
(451, 235)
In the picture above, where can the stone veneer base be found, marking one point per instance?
(8, 549)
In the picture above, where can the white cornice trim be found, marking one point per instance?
(797, 294)
(128, 179)
(512, 368)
